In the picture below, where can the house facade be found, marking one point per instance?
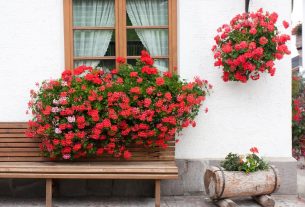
(39, 39)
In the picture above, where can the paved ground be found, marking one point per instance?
(175, 201)
(301, 177)
(301, 182)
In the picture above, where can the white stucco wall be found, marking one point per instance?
(240, 115)
(31, 50)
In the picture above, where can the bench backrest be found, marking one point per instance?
(16, 147)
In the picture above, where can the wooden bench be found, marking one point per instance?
(20, 158)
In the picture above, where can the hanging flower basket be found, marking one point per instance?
(249, 45)
(89, 112)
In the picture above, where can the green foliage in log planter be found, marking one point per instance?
(246, 163)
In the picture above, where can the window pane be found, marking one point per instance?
(102, 64)
(155, 41)
(93, 13)
(147, 12)
(160, 64)
(134, 44)
(132, 61)
(94, 43)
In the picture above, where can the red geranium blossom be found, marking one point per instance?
(263, 40)
(121, 60)
(159, 81)
(254, 150)
(285, 24)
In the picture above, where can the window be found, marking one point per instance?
(98, 31)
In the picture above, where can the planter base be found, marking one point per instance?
(263, 200)
(226, 203)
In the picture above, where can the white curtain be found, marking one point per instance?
(151, 13)
(92, 13)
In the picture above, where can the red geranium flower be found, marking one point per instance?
(254, 150)
(121, 60)
(285, 24)
(127, 155)
(159, 81)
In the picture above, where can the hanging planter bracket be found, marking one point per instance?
(247, 2)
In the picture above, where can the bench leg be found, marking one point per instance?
(48, 192)
(157, 193)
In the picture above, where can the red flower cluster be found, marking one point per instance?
(249, 45)
(91, 112)
(254, 150)
(145, 58)
(296, 110)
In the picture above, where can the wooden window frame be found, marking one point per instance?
(120, 29)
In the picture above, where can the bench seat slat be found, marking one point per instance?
(88, 169)
(6, 145)
(140, 176)
(19, 144)
(13, 125)
(11, 130)
(72, 164)
(37, 153)
(23, 159)
(134, 153)
(18, 149)
(42, 159)
(21, 135)
(20, 154)
(100, 170)
(18, 139)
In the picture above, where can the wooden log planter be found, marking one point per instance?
(221, 184)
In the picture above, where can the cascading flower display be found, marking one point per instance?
(249, 45)
(89, 112)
